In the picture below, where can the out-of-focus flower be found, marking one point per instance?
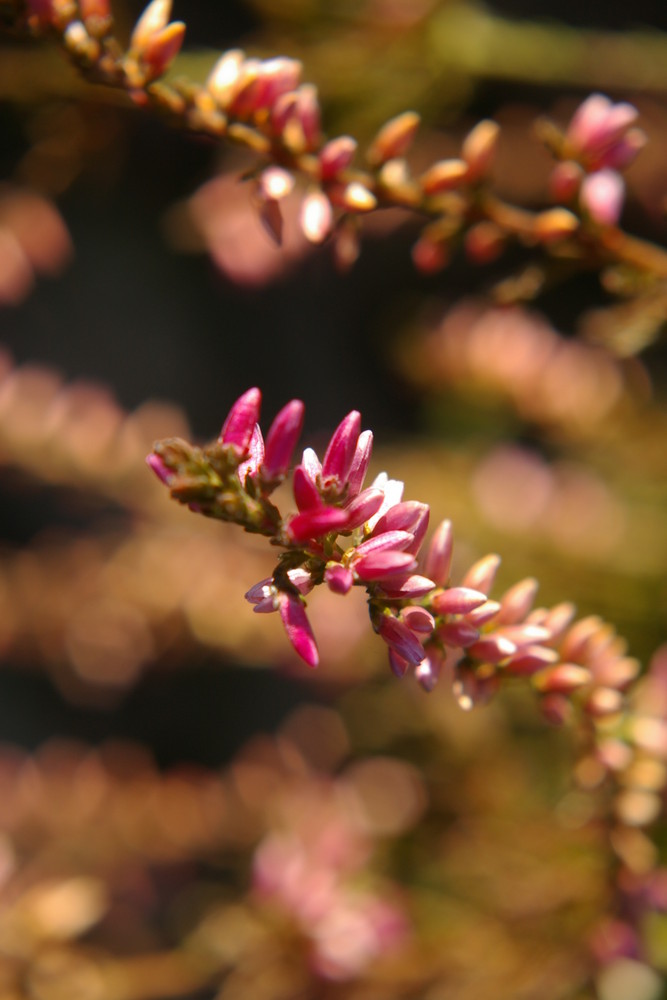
(601, 134)
(602, 196)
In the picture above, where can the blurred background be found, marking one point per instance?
(164, 759)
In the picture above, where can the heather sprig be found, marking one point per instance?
(263, 105)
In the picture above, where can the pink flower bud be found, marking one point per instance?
(161, 49)
(338, 578)
(445, 175)
(492, 648)
(562, 679)
(410, 515)
(397, 664)
(600, 133)
(388, 540)
(399, 638)
(339, 455)
(418, 619)
(154, 18)
(315, 522)
(602, 195)
(457, 601)
(238, 428)
(430, 255)
(263, 596)
(253, 463)
(306, 493)
(393, 139)
(479, 148)
(281, 440)
(439, 555)
(458, 633)
(224, 77)
(428, 671)
(410, 588)
(363, 506)
(360, 462)
(481, 575)
(164, 474)
(483, 614)
(297, 627)
(565, 180)
(530, 659)
(517, 601)
(379, 565)
(336, 156)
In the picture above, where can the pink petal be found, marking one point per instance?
(602, 195)
(407, 516)
(399, 638)
(457, 601)
(360, 462)
(418, 620)
(256, 455)
(241, 419)
(282, 438)
(338, 578)
(164, 474)
(297, 626)
(315, 522)
(439, 555)
(409, 588)
(363, 506)
(339, 455)
(306, 493)
(378, 565)
(395, 540)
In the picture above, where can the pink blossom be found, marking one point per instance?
(602, 195)
(297, 627)
(360, 463)
(238, 428)
(400, 639)
(439, 555)
(338, 458)
(457, 601)
(159, 468)
(600, 133)
(338, 578)
(281, 440)
(314, 522)
(253, 463)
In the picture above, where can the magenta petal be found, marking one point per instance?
(399, 638)
(306, 493)
(282, 438)
(457, 601)
(418, 619)
(363, 506)
(339, 455)
(397, 663)
(164, 474)
(241, 419)
(338, 578)
(315, 522)
(409, 587)
(439, 556)
(394, 540)
(409, 515)
(378, 565)
(360, 462)
(297, 626)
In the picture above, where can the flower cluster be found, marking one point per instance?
(344, 534)
(263, 105)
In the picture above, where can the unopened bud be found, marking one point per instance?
(555, 224)
(562, 679)
(162, 48)
(336, 156)
(154, 19)
(393, 139)
(479, 148)
(565, 180)
(225, 75)
(356, 198)
(445, 175)
(484, 242)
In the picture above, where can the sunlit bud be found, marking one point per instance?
(301, 579)
(439, 555)
(397, 539)
(339, 455)
(408, 588)
(360, 462)
(362, 506)
(394, 177)
(401, 639)
(458, 633)
(517, 601)
(492, 648)
(296, 118)
(162, 48)
(555, 224)
(281, 440)
(483, 614)
(316, 217)
(238, 428)
(393, 494)
(430, 255)
(479, 148)
(481, 575)
(484, 242)
(279, 76)
(315, 522)
(354, 197)
(393, 139)
(79, 41)
(604, 701)
(225, 75)
(445, 175)
(410, 515)
(247, 90)
(297, 627)
(562, 679)
(565, 180)
(418, 619)
(305, 489)
(275, 183)
(529, 659)
(339, 579)
(152, 21)
(602, 195)
(600, 133)
(308, 110)
(336, 156)
(381, 565)
(457, 601)
(271, 218)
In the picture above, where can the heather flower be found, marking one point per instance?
(600, 134)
